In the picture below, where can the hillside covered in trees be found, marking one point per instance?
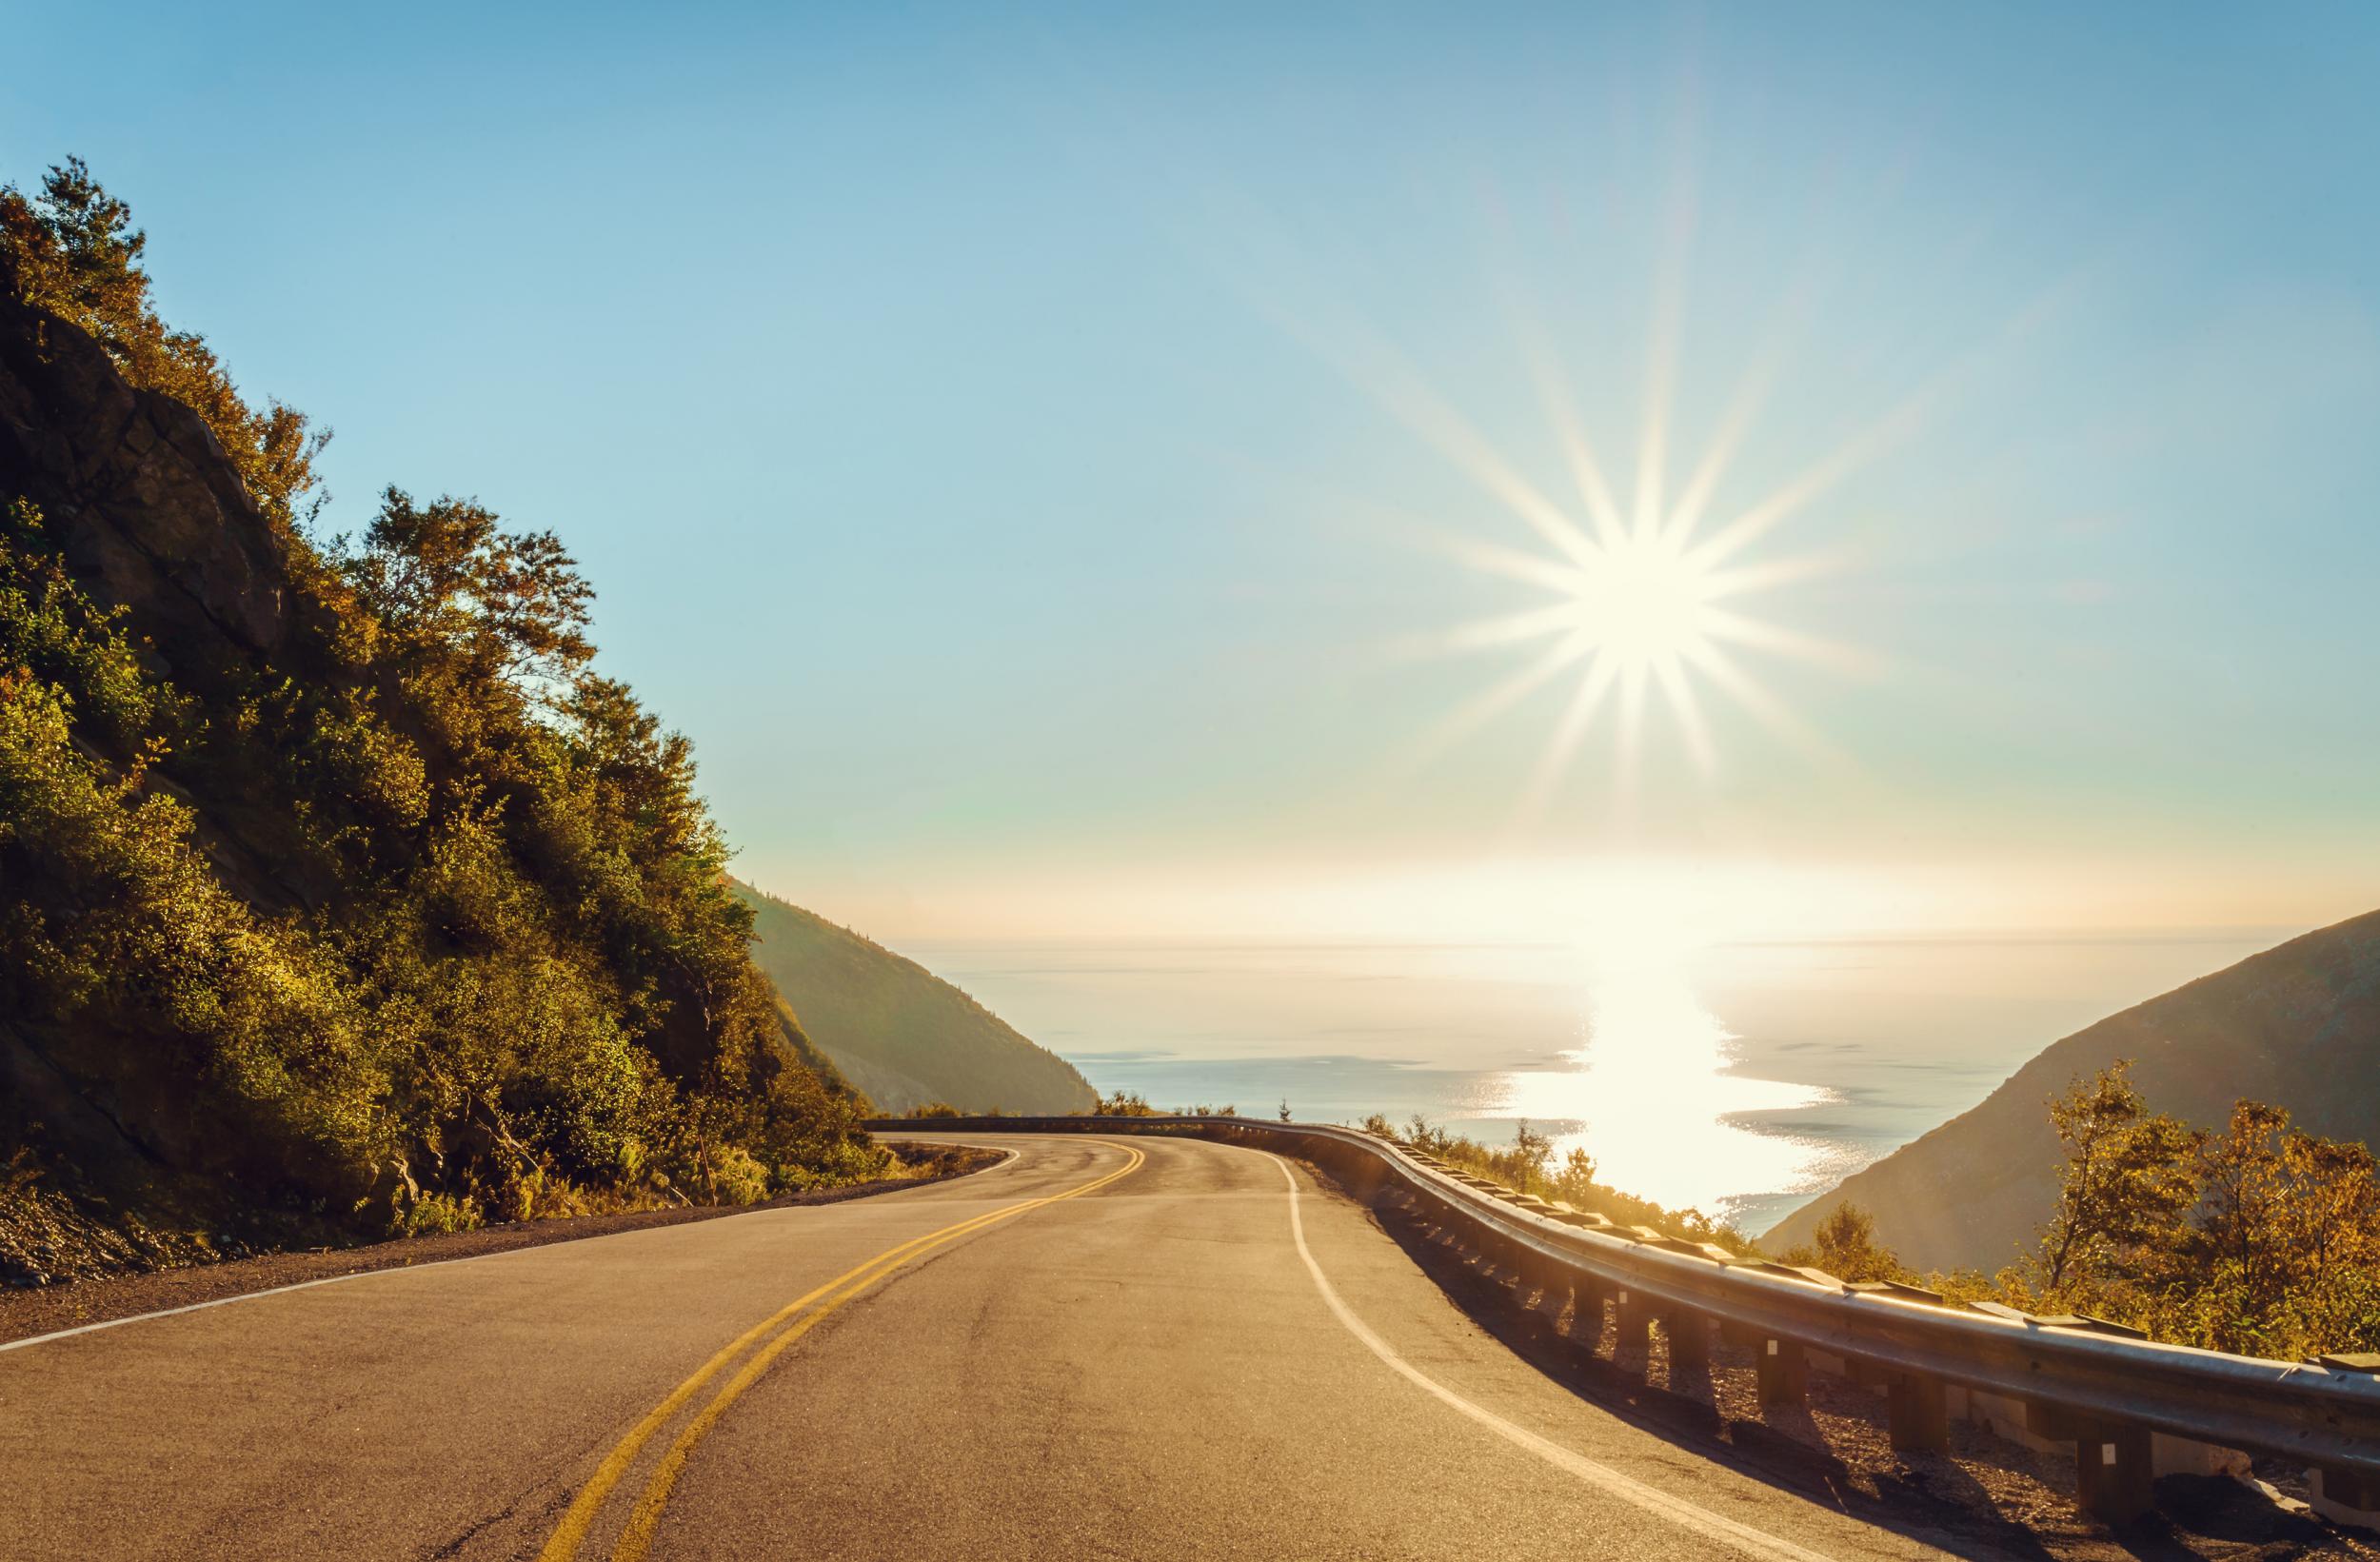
(899, 1032)
(2296, 1027)
(343, 896)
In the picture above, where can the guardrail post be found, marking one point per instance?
(1528, 1276)
(1586, 1312)
(1559, 1293)
(1554, 1288)
(1784, 1371)
(1633, 1313)
(1915, 1414)
(1689, 1336)
(1503, 1257)
(2345, 1496)
(2114, 1479)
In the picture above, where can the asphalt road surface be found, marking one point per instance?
(1105, 1347)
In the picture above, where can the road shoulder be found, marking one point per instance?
(27, 1314)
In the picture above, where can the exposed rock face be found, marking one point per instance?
(148, 506)
(2298, 1026)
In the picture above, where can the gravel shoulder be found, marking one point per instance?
(43, 1309)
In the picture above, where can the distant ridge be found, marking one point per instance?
(897, 1031)
(2297, 1025)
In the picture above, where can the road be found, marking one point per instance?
(1103, 1347)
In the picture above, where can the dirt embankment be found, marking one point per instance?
(44, 1310)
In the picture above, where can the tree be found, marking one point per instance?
(2123, 1189)
(1284, 1108)
(1532, 1150)
(2279, 1252)
(73, 250)
(448, 587)
(1574, 1183)
(1845, 1245)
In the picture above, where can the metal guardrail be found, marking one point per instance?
(2100, 1389)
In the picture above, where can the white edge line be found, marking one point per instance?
(275, 1291)
(1710, 1526)
(7, 1346)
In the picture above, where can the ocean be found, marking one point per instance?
(1739, 1080)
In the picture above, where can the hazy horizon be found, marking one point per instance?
(1747, 1077)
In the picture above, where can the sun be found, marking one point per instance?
(1642, 602)
(1641, 608)
(1647, 597)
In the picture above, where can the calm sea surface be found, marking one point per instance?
(1739, 1080)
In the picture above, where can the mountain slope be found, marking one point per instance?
(895, 1029)
(340, 894)
(2297, 1026)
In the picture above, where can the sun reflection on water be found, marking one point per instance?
(1653, 1092)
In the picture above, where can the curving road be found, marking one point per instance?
(1105, 1347)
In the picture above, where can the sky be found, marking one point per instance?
(1111, 471)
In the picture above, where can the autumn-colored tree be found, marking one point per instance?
(1532, 1150)
(1574, 1181)
(2123, 1190)
(2280, 1247)
(2258, 1238)
(72, 250)
(445, 582)
(1844, 1245)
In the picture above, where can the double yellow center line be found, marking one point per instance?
(793, 1323)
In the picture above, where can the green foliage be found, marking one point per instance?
(1846, 1247)
(73, 250)
(435, 1214)
(415, 921)
(2258, 1238)
(2124, 1189)
(1124, 1103)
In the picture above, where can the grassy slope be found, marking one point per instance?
(897, 1031)
(2298, 1026)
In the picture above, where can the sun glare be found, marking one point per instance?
(1655, 1090)
(1645, 605)
(1642, 604)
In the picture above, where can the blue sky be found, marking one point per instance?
(1000, 439)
